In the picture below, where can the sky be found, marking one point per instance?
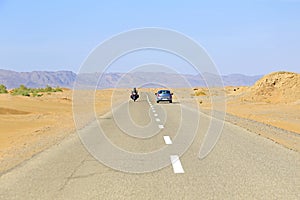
(250, 37)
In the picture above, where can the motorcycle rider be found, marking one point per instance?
(134, 93)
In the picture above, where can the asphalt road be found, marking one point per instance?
(242, 165)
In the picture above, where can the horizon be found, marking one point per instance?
(116, 72)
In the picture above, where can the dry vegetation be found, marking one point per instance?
(199, 92)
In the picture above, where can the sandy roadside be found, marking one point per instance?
(282, 115)
(31, 124)
(277, 121)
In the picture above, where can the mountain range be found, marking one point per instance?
(36, 79)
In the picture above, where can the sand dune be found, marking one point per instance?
(277, 87)
(274, 100)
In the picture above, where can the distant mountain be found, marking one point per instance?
(67, 79)
(240, 80)
(36, 79)
(161, 79)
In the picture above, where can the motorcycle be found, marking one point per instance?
(134, 96)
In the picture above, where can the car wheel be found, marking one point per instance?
(157, 101)
(170, 101)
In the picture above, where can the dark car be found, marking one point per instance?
(164, 95)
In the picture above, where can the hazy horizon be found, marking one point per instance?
(119, 72)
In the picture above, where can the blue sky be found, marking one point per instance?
(249, 37)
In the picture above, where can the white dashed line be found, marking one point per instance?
(177, 167)
(161, 126)
(176, 164)
(167, 140)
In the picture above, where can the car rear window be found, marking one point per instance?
(164, 92)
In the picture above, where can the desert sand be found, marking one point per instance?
(273, 101)
(31, 124)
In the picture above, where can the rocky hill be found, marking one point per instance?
(277, 87)
(36, 79)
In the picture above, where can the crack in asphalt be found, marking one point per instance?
(84, 176)
(70, 177)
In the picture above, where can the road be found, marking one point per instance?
(242, 165)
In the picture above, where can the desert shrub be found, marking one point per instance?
(48, 89)
(35, 92)
(23, 87)
(22, 90)
(3, 89)
(200, 93)
(57, 89)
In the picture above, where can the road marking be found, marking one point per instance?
(161, 126)
(158, 120)
(155, 115)
(177, 167)
(153, 111)
(167, 140)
